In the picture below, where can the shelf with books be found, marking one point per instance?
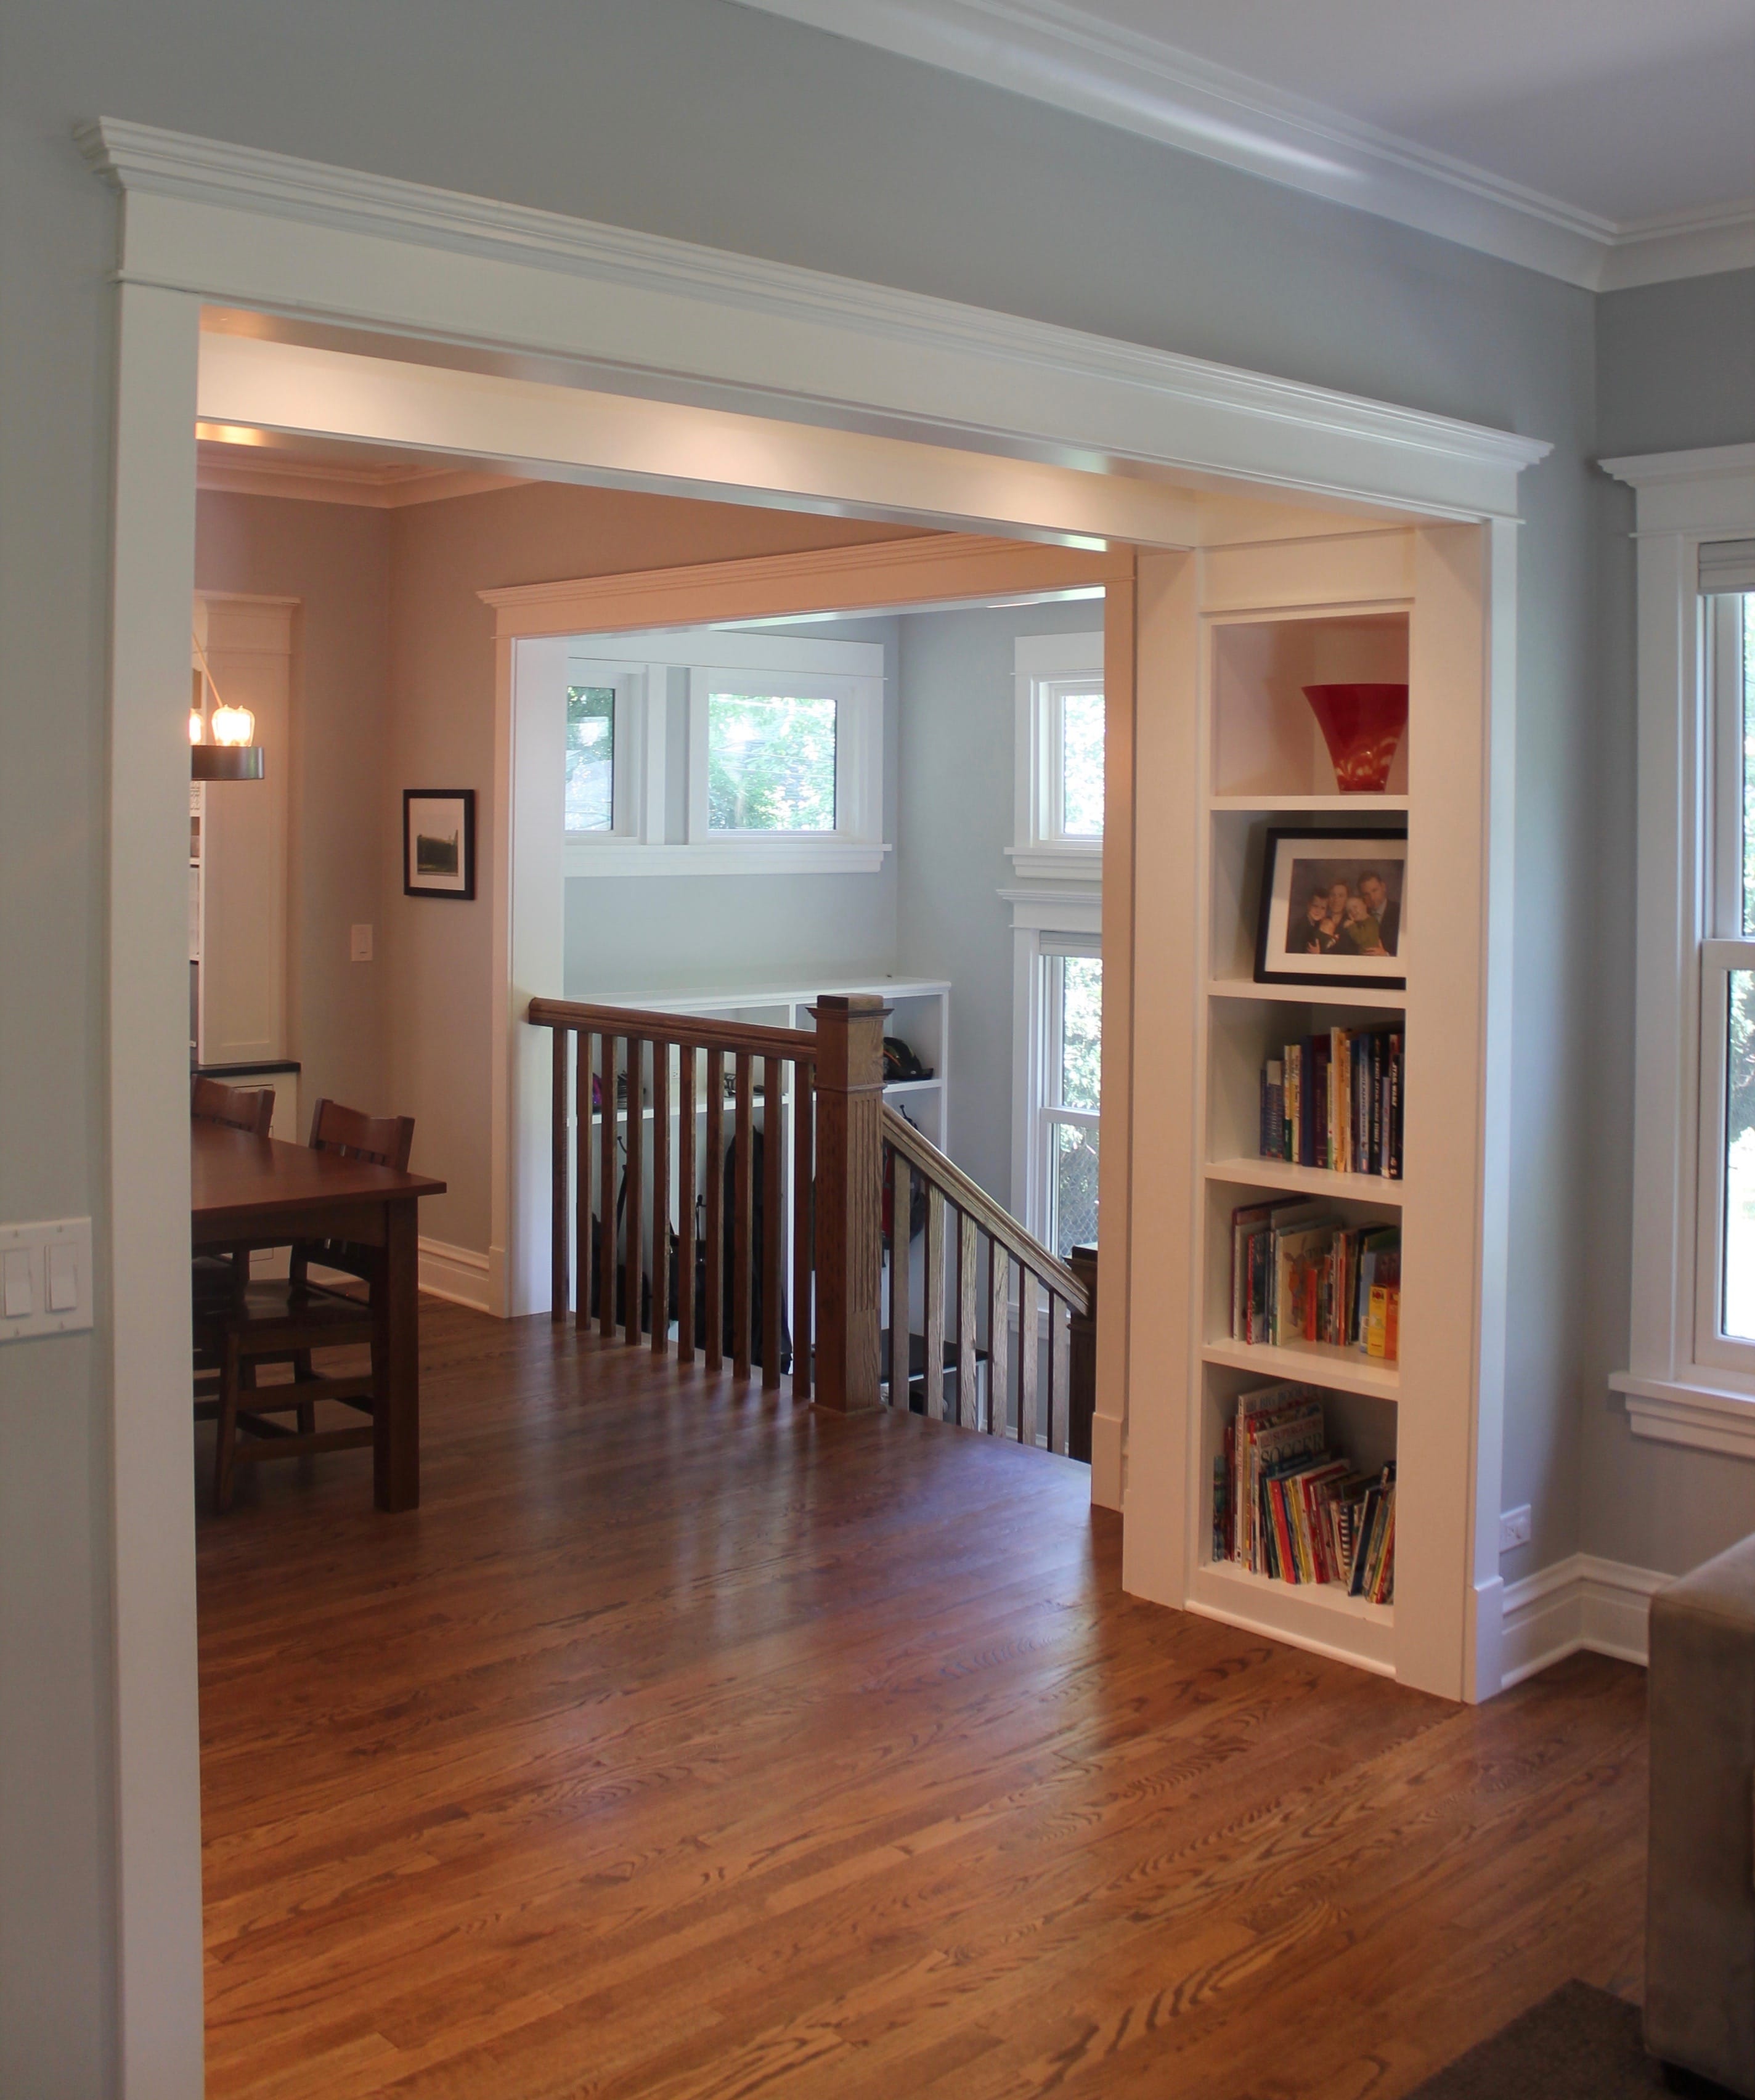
(1301, 1503)
(1319, 1363)
(1318, 1086)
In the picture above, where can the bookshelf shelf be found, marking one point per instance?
(1318, 1615)
(1302, 805)
(1250, 1173)
(1352, 999)
(1315, 1363)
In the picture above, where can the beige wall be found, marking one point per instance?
(335, 560)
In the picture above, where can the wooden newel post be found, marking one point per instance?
(849, 1205)
(1082, 1368)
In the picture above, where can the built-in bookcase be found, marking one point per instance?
(1263, 630)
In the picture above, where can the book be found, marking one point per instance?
(1333, 1100)
(1289, 1506)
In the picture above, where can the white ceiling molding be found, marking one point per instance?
(248, 228)
(244, 469)
(1061, 55)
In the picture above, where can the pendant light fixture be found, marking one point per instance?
(233, 754)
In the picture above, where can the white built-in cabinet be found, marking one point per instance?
(1227, 639)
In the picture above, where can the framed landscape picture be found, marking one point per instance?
(1334, 908)
(438, 842)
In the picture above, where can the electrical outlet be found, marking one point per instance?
(360, 949)
(1514, 1528)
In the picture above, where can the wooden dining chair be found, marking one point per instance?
(224, 1272)
(284, 1321)
(248, 1108)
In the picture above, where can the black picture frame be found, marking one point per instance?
(1354, 847)
(450, 813)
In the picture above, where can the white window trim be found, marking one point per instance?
(1674, 1392)
(854, 670)
(1039, 851)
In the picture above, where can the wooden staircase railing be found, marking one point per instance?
(797, 1191)
(1047, 1289)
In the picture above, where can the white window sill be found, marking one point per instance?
(1057, 864)
(608, 856)
(1708, 1418)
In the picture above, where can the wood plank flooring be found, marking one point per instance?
(687, 1744)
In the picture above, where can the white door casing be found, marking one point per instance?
(232, 227)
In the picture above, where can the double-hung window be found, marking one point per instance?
(1724, 1279)
(1691, 1378)
(1064, 1139)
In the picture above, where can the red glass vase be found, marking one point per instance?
(1361, 725)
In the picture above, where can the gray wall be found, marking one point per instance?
(956, 822)
(1676, 370)
(781, 143)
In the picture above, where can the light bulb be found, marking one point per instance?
(196, 726)
(233, 726)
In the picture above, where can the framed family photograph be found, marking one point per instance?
(1334, 908)
(438, 842)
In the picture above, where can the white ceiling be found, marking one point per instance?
(1607, 141)
(1626, 108)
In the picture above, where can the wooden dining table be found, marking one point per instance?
(256, 1192)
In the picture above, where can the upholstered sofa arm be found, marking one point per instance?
(1699, 2001)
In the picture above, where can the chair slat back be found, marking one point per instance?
(384, 1141)
(248, 1108)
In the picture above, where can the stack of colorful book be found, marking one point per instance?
(1286, 1505)
(1335, 1100)
(1299, 1275)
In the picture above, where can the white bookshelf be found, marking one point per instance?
(1262, 763)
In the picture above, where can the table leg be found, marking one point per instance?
(396, 1441)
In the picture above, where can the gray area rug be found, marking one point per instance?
(1581, 2044)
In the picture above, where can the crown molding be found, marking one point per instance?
(234, 224)
(257, 470)
(1059, 54)
(1708, 494)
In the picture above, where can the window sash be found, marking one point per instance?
(1725, 950)
(1050, 821)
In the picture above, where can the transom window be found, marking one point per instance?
(1058, 830)
(770, 762)
(712, 750)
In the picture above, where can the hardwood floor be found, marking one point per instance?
(687, 1744)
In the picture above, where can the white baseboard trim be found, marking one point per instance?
(458, 1273)
(1582, 1602)
(1107, 1462)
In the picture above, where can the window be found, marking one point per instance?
(770, 762)
(1691, 1372)
(1725, 1309)
(1058, 826)
(590, 758)
(719, 751)
(1073, 1017)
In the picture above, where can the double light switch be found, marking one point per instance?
(45, 1278)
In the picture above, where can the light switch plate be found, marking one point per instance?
(55, 1259)
(360, 949)
(1514, 1528)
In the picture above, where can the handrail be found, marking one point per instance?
(689, 1031)
(975, 1203)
